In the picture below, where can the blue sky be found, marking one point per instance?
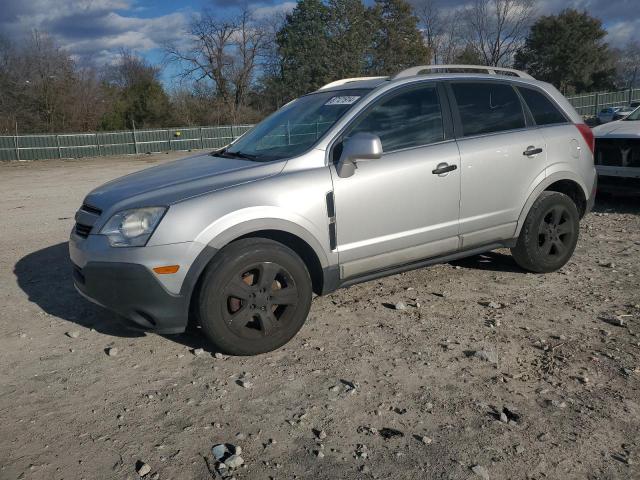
(94, 31)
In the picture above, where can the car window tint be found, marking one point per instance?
(408, 119)
(488, 107)
(543, 110)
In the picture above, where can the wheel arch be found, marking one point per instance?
(301, 241)
(563, 182)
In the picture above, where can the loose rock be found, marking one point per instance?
(480, 471)
(143, 469)
(73, 334)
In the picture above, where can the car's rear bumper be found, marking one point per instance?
(132, 291)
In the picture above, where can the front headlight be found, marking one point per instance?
(132, 228)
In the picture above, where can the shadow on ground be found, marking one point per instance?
(610, 203)
(45, 276)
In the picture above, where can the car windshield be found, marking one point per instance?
(294, 128)
(634, 116)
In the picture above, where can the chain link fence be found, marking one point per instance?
(77, 145)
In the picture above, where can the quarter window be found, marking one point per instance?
(408, 119)
(488, 107)
(543, 110)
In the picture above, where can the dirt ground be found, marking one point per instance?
(551, 392)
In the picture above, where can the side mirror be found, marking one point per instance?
(361, 146)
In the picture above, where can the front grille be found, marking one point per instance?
(83, 230)
(90, 209)
(618, 152)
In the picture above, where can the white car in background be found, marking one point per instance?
(617, 154)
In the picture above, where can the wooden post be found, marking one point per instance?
(201, 140)
(98, 144)
(595, 112)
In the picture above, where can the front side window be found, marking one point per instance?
(543, 110)
(411, 118)
(296, 127)
(487, 107)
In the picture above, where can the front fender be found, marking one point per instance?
(249, 220)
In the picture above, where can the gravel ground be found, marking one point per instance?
(489, 372)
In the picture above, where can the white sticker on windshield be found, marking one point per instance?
(344, 100)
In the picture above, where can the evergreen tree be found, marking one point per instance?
(351, 37)
(569, 51)
(398, 43)
(304, 47)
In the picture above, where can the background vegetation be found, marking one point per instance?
(239, 69)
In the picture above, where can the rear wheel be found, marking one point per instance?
(549, 234)
(254, 297)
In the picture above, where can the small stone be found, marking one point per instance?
(112, 351)
(480, 471)
(155, 476)
(490, 357)
(321, 434)
(334, 389)
(23, 335)
(143, 469)
(488, 304)
(319, 453)
(197, 351)
(73, 334)
(400, 306)
(234, 461)
(519, 449)
(426, 440)
(218, 355)
(244, 383)
(583, 379)
(504, 418)
(219, 451)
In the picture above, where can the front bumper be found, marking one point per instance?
(132, 291)
(122, 280)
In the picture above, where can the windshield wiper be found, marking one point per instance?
(228, 154)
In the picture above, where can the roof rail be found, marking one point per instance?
(426, 69)
(337, 83)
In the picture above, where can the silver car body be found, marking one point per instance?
(392, 214)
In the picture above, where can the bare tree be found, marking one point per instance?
(628, 65)
(225, 51)
(497, 28)
(442, 29)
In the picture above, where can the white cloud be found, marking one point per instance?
(92, 31)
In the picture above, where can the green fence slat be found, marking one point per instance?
(78, 145)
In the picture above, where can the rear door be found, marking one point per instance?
(502, 154)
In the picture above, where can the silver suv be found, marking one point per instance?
(363, 178)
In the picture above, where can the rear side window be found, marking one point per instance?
(488, 107)
(543, 110)
(408, 119)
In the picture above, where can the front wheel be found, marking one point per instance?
(549, 234)
(254, 297)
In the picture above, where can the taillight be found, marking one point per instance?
(587, 134)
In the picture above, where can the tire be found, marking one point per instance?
(549, 234)
(254, 297)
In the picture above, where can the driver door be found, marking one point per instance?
(400, 209)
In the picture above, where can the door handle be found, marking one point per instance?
(444, 168)
(531, 150)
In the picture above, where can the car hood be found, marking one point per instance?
(619, 129)
(176, 181)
